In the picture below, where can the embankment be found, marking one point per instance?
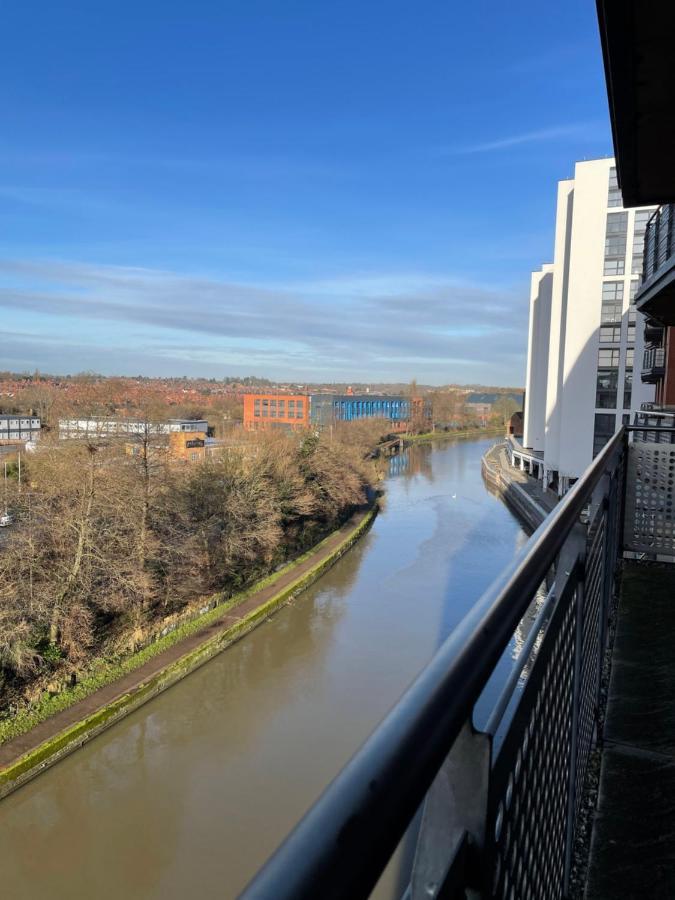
(503, 480)
(46, 740)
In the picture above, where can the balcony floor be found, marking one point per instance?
(633, 845)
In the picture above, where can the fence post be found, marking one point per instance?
(453, 817)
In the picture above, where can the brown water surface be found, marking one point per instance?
(190, 794)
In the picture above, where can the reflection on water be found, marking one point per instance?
(190, 794)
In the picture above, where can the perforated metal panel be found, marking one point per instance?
(590, 661)
(529, 790)
(649, 525)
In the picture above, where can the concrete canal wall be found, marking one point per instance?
(512, 486)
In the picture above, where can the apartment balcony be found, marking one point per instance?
(656, 294)
(653, 365)
(454, 797)
(656, 424)
(654, 333)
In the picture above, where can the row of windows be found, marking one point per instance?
(6, 424)
(609, 357)
(611, 334)
(277, 409)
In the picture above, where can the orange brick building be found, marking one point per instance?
(268, 410)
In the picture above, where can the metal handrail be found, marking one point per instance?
(343, 844)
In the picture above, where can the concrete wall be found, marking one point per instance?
(556, 355)
(537, 359)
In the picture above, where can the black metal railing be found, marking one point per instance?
(492, 809)
(654, 426)
(658, 246)
(654, 360)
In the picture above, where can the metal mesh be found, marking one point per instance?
(529, 789)
(650, 521)
(590, 662)
(537, 782)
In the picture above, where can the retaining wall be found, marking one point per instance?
(530, 513)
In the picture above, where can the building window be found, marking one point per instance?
(610, 334)
(642, 216)
(608, 357)
(256, 408)
(612, 302)
(614, 267)
(603, 430)
(627, 388)
(606, 388)
(625, 419)
(266, 409)
(614, 197)
(634, 285)
(615, 243)
(608, 378)
(630, 334)
(298, 409)
(193, 457)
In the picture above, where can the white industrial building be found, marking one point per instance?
(101, 427)
(19, 428)
(584, 332)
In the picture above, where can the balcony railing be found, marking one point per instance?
(658, 246)
(654, 425)
(492, 808)
(653, 364)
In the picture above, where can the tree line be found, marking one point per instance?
(110, 538)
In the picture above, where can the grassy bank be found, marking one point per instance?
(106, 672)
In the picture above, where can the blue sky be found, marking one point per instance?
(297, 189)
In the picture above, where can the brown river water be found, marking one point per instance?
(190, 794)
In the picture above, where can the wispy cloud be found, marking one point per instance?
(552, 133)
(379, 326)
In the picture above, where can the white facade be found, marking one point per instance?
(586, 339)
(19, 428)
(534, 427)
(97, 426)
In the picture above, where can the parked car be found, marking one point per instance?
(5, 520)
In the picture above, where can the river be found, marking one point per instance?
(191, 793)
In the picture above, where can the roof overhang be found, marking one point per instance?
(638, 45)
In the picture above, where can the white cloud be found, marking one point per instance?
(553, 133)
(382, 326)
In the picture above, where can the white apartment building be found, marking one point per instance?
(584, 332)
